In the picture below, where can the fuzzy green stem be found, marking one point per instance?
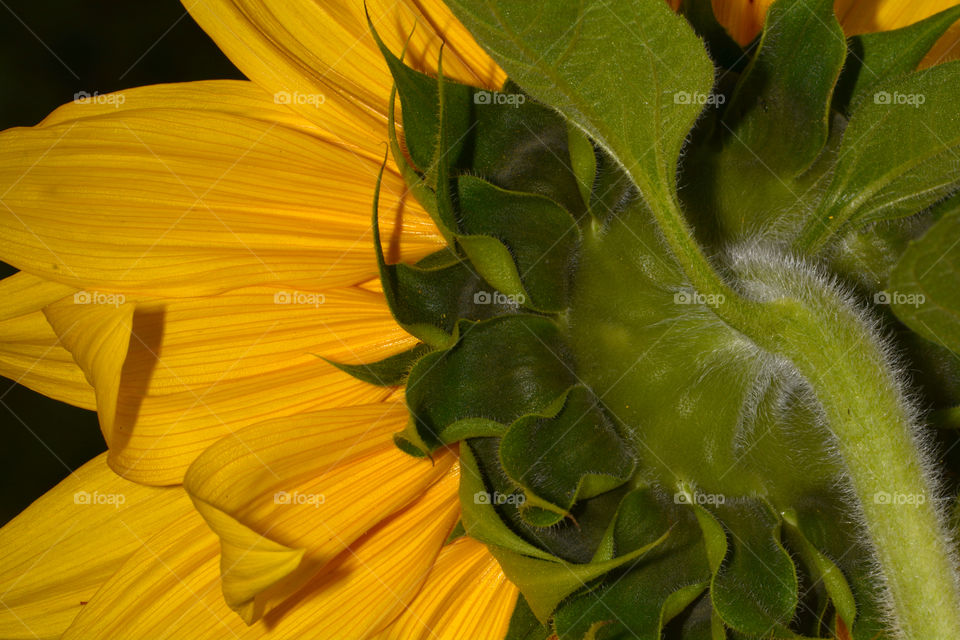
(840, 358)
(866, 413)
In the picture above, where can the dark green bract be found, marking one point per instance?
(639, 468)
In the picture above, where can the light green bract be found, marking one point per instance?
(654, 443)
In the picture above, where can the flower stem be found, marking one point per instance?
(866, 413)
(835, 350)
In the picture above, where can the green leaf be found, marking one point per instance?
(575, 539)
(755, 168)
(583, 161)
(389, 372)
(560, 459)
(455, 123)
(419, 104)
(538, 235)
(778, 117)
(699, 622)
(924, 290)
(818, 519)
(428, 299)
(898, 156)
(524, 625)
(544, 584)
(644, 120)
(480, 518)
(522, 146)
(822, 569)
(714, 536)
(521, 244)
(884, 55)
(638, 601)
(755, 590)
(518, 145)
(499, 370)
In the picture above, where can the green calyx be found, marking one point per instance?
(653, 443)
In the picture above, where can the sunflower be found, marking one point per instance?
(197, 264)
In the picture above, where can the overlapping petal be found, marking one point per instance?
(98, 337)
(30, 351)
(237, 97)
(56, 554)
(192, 191)
(31, 355)
(174, 376)
(744, 20)
(171, 588)
(297, 490)
(24, 293)
(867, 17)
(465, 596)
(320, 56)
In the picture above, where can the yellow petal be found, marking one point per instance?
(97, 336)
(30, 352)
(31, 355)
(171, 578)
(367, 586)
(237, 97)
(744, 20)
(171, 588)
(883, 15)
(198, 369)
(23, 293)
(162, 199)
(465, 596)
(56, 554)
(304, 485)
(321, 58)
(249, 562)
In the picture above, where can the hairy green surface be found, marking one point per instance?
(655, 443)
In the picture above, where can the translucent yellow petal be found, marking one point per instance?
(56, 554)
(198, 369)
(465, 596)
(882, 15)
(858, 16)
(31, 355)
(744, 19)
(170, 200)
(249, 562)
(171, 577)
(309, 484)
(30, 352)
(320, 57)
(237, 97)
(367, 586)
(23, 293)
(97, 336)
(171, 588)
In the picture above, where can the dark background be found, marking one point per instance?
(49, 50)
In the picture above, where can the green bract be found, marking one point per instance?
(655, 444)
